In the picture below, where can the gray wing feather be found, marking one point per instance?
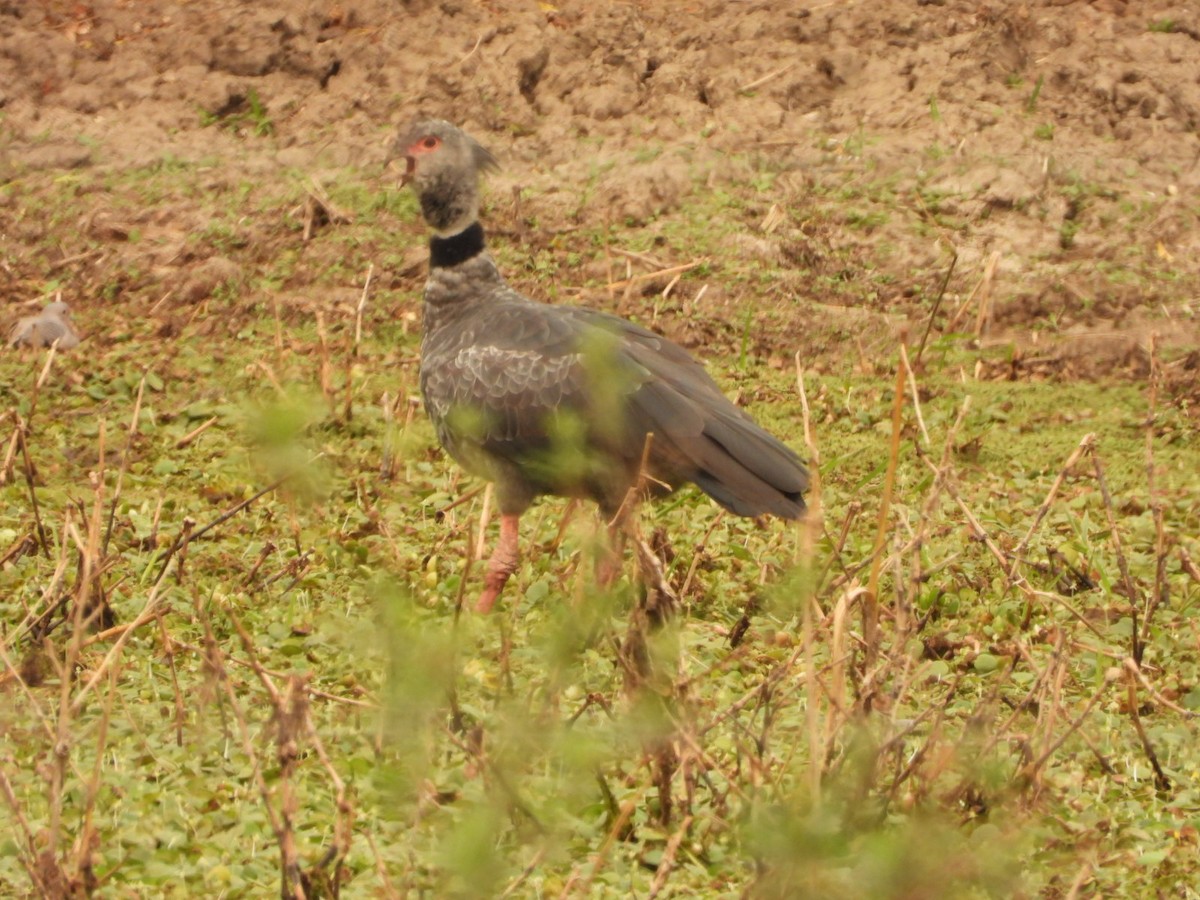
(526, 365)
(511, 372)
(704, 437)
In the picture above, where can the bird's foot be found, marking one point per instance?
(502, 564)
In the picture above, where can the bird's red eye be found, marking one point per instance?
(430, 142)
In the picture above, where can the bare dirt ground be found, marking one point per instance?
(1051, 144)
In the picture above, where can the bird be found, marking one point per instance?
(543, 399)
(51, 326)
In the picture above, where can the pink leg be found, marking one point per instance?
(502, 564)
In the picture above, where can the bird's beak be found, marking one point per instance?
(410, 166)
(397, 152)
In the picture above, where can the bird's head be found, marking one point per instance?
(442, 163)
(58, 308)
(435, 151)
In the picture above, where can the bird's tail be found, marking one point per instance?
(723, 451)
(748, 471)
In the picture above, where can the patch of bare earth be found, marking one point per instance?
(1049, 146)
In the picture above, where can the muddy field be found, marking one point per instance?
(1052, 145)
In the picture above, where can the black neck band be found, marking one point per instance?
(458, 248)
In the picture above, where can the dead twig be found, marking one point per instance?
(1132, 671)
(1131, 592)
(1029, 772)
(1189, 565)
(28, 853)
(73, 258)
(389, 891)
(916, 394)
(215, 659)
(1085, 446)
(617, 828)
(810, 530)
(529, 869)
(641, 257)
(698, 554)
(774, 73)
(667, 863)
(871, 600)
(471, 52)
(291, 713)
(937, 304)
(1162, 589)
(191, 436)
(362, 305)
(126, 455)
(983, 289)
(634, 280)
(27, 470)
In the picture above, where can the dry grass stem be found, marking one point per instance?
(982, 290)
(1161, 593)
(1085, 446)
(6, 468)
(774, 73)
(937, 304)
(617, 827)
(1161, 781)
(631, 280)
(1031, 771)
(644, 258)
(27, 470)
(914, 390)
(812, 712)
(479, 551)
(871, 599)
(126, 457)
(698, 554)
(189, 438)
(361, 307)
(667, 863)
(531, 867)
(1132, 594)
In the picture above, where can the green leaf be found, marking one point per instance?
(985, 663)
